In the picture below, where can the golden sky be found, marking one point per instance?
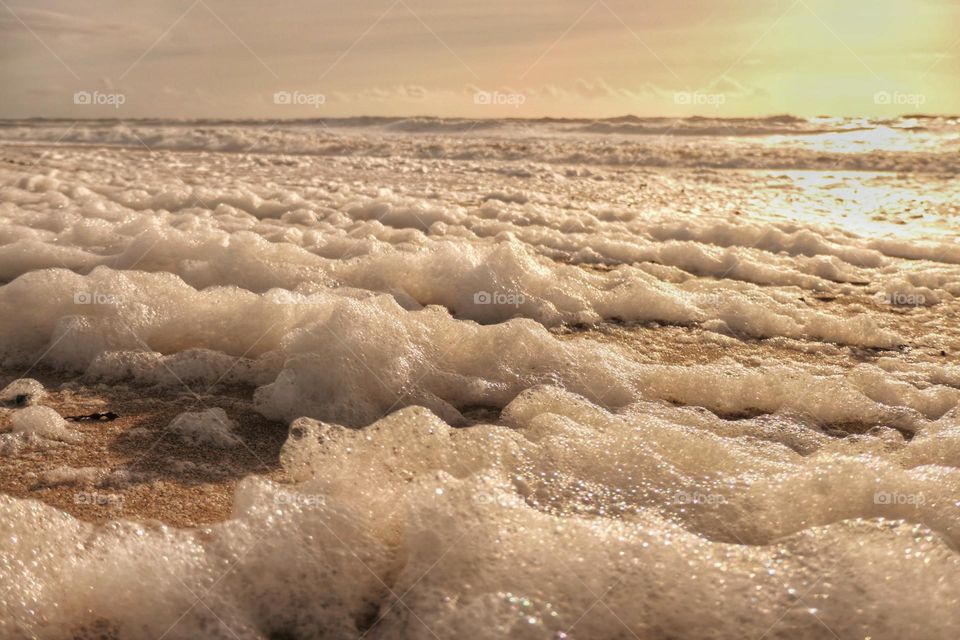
(494, 58)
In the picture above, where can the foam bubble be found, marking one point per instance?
(210, 427)
(43, 422)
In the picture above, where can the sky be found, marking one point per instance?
(478, 58)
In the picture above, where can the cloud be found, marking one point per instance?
(55, 24)
(599, 89)
(580, 92)
(404, 92)
(733, 89)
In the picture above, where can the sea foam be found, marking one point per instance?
(537, 380)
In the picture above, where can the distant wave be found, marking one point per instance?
(718, 128)
(442, 125)
(857, 144)
(783, 122)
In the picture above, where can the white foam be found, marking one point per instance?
(23, 392)
(43, 422)
(210, 427)
(520, 372)
(73, 476)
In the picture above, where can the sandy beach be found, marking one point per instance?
(132, 467)
(417, 378)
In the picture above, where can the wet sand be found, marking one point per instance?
(138, 469)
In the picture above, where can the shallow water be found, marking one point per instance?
(663, 379)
